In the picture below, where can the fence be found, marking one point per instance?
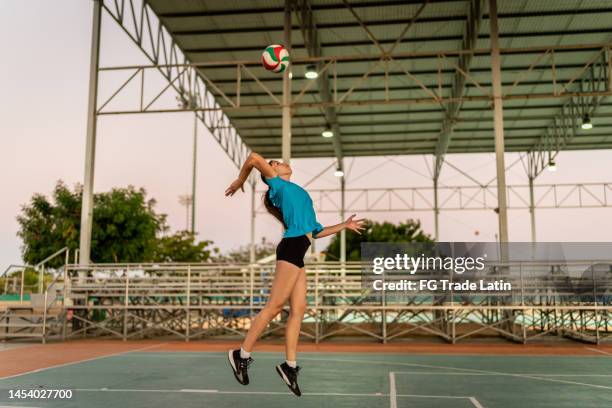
(572, 299)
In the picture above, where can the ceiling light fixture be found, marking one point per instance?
(327, 133)
(586, 122)
(311, 72)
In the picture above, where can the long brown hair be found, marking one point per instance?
(272, 209)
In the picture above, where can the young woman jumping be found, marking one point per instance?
(292, 206)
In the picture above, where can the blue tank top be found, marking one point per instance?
(296, 205)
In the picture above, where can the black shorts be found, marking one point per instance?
(293, 250)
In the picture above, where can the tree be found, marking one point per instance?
(181, 247)
(124, 228)
(409, 231)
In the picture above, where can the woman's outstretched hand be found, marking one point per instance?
(354, 225)
(237, 184)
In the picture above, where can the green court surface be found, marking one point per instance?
(203, 379)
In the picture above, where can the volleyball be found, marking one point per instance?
(275, 58)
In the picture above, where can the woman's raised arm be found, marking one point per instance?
(254, 160)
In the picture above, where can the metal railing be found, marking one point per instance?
(13, 282)
(204, 299)
(41, 267)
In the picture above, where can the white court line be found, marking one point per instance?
(475, 402)
(79, 361)
(538, 374)
(193, 390)
(15, 406)
(599, 351)
(459, 369)
(392, 391)
(208, 391)
(393, 394)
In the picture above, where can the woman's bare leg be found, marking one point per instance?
(282, 286)
(298, 307)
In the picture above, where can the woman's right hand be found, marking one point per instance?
(237, 184)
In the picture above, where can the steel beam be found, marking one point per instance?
(539, 35)
(596, 80)
(532, 207)
(342, 218)
(90, 144)
(194, 172)
(461, 198)
(499, 124)
(149, 34)
(286, 108)
(313, 46)
(436, 210)
(558, 49)
(253, 218)
(470, 37)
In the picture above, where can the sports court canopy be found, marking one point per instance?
(404, 77)
(394, 77)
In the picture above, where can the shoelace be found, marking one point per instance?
(245, 362)
(293, 372)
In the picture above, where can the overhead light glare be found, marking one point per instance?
(327, 133)
(311, 72)
(586, 122)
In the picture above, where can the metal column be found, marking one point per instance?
(193, 177)
(253, 215)
(342, 218)
(90, 144)
(532, 210)
(286, 140)
(436, 211)
(498, 118)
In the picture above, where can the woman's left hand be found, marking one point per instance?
(354, 225)
(235, 186)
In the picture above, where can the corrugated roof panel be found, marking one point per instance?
(228, 30)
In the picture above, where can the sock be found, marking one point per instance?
(244, 353)
(291, 364)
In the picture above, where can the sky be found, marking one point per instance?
(44, 74)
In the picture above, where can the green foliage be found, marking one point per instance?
(243, 253)
(409, 231)
(181, 247)
(30, 281)
(46, 227)
(124, 227)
